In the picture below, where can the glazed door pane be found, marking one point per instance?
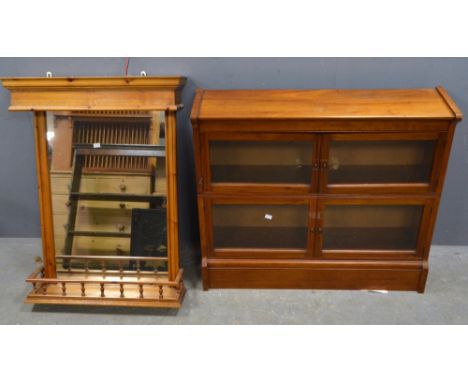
(260, 226)
(373, 161)
(371, 227)
(262, 161)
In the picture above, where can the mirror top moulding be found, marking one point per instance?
(94, 93)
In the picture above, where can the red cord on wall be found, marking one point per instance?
(127, 62)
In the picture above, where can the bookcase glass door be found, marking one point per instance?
(259, 226)
(371, 227)
(380, 161)
(279, 161)
(108, 189)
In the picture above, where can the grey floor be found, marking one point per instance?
(445, 300)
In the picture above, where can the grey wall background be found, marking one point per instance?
(19, 215)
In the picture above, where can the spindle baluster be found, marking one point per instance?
(102, 290)
(83, 291)
(64, 289)
(138, 268)
(120, 269)
(180, 287)
(121, 290)
(161, 291)
(140, 286)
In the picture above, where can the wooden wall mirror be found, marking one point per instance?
(106, 162)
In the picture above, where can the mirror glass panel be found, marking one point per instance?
(108, 188)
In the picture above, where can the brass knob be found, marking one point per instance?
(316, 230)
(120, 227)
(123, 187)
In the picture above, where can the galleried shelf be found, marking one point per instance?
(334, 189)
(106, 162)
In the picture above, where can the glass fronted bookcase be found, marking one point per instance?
(320, 188)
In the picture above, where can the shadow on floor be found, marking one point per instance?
(112, 310)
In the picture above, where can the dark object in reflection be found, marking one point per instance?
(149, 234)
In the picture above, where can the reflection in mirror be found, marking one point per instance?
(108, 189)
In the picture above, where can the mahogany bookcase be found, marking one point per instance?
(331, 189)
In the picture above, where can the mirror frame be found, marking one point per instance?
(41, 95)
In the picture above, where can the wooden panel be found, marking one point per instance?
(450, 103)
(321, 125)
(98, 93)
(45, 199)
(35, 298)
(172, 204)
(308, 104)
(288, 278)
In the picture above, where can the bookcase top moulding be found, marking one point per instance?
(94, 93)
(427, 103)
